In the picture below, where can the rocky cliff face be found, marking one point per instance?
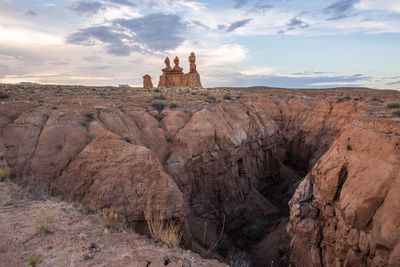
(346, 211)
(226, 171)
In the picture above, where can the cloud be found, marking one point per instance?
(123, 2)
(150, 33)
(30, 13)
(112, 40)
(86, 7)
(237, 24)
(394, 83)
(294, 23)
(289, 81)
(384, 5)
(341, 9)
(240, 3)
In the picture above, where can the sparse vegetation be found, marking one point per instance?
(156, 90)
(376, 99)
(168, 233)
(227, 97)
(342, 99)
(5, 173)
(45, 220)
(158, 106)
(34, 260)
(173, 105)
(238, 259)
(393, 105)
(110, 219)
(4, 95)
(396, 113)
(160, 97)
(10, 201)
(211, 99)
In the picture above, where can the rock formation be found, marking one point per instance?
(174, 77)
(147, 83)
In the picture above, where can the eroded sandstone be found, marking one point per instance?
(226, 170)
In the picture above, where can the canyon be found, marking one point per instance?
(282, 177)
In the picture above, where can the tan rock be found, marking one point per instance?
(147, 83)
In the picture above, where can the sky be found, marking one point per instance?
(282, 43)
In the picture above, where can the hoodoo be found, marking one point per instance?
(174, 77)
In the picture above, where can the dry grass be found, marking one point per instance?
(111, 220)
(34, 260)
(10, 201)
(5, 173)
(168, 233)
(45, 221)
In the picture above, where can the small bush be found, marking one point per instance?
(393, 105)
(5, 173)
(238, 259)
(211, 99)
(156, 90)
(4, 95)
(160, 97)
(168, 233)
(10, 201)
(110, 219)
(396, 113)
(376, 99)
(34, 260)
(45, 222)
(342, 99)
(227, 97)
(158, 106)
(89, 117)
(173, 105)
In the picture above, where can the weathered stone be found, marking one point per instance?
(174, 77)
(147, 83)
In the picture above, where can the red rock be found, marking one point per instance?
(147, 83)
(174, 77)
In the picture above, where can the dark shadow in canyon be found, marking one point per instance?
(252, 233)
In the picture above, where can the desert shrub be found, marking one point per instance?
(5, 172)
(173, 105)
(169, 139)
(10, 201)
(211, 99)
(342, 99)
(227, 97)
(45, 221)
(168, 233)
(376, 99)
(89, 117)
(160, 97)
(4, 95)
(158, 106)
(110, 219)
(156, 90)
(238, 259)
(34, 260)
(393, 105)
(396, 113)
